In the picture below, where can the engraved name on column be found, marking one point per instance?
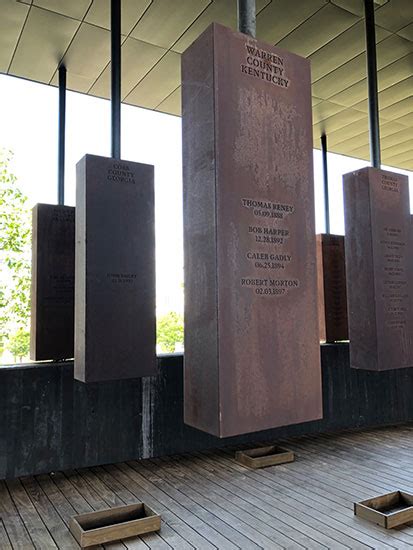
(120, 173)
(268, 255)
(269, 251)
(393, 251)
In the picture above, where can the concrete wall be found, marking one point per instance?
(49, 421)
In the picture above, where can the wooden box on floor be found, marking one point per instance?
(264, 456)
(390, 510)
(114, 524)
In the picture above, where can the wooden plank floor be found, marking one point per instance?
(209, 501)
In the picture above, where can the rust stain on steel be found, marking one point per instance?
(252, 357)
(332, 295)
(53, 282)
(379, 269)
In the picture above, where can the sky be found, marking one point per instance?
(28, 127)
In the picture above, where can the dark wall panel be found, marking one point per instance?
(49, 421)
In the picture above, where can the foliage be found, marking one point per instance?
(19, 343)
(170, 331)
(15, 249)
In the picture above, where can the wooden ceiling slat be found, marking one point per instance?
(132, 72)
(132, 11)
(405, 165)
(389, 96)
(394, 14)
(45, 38)
(390, 50)
(406, 157)
(84, 69)
(280, 18)
(307, 38)
(397, 71)
(352, 95)
(399, 148)
(161, 81)
(360, 152)
(389, 132)
(402, 145)
(337, 121)
(324, 110)
(347, 132)
(72, 8)
(407, 32)
(171, 104)
(406, 120)
(178, 21)
(12, 20)
(397, 110)
(395, 138)
(353, 6)
(344, 77)
(219, 11)
(216, 12)
(342, 49)
(387, 77)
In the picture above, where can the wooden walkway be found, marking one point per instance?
(208, 501)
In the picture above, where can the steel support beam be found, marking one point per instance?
(246, 17)
(61, 136)
(115, 76)
(373, 100)
(325, 182)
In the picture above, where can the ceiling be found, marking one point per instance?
(36, 35)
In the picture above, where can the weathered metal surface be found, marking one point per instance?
(52, 286)
(378, 247)
(251, 328)
(332, 296)
(115, 270)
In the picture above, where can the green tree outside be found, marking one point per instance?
(18, 344)
(15, 273)
(170, 331)
(15, 262)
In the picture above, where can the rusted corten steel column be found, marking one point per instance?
(246, 17)
(248, 198)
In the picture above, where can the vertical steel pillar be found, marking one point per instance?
(246, 17)
(61, 136)
(374, 126)
(115, 76)
(325, 182)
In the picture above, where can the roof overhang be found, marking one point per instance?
(37, 35)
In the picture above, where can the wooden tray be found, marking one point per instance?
(264, 456)
(114, 524)
(388, 510)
